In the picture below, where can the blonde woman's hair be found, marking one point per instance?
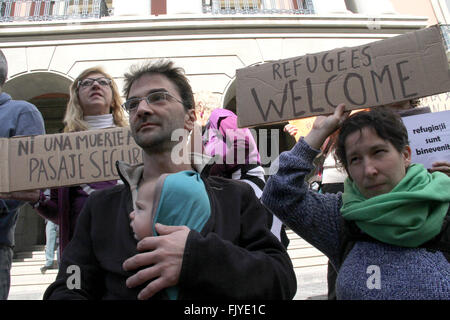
(73, 119)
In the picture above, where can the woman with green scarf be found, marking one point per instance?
(398, 205)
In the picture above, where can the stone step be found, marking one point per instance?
(37, 247)
(305, 253)
(18, 264)
(298, 240)
(309, 262)
(32, 279)
(311, 273)
(32, 292)
(27, 281)
(304, 256)
(298, 244)
(35, 288)
(29, 256)
(311, 283)
(30, 269)
(35, 255)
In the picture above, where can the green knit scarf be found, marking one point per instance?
(408, 216)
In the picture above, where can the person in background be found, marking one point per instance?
(205, 103)
(94, 103)
(237, 157)
(395, 209)
(51, 243)
(17, 118)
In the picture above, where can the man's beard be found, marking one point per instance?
(156, 144)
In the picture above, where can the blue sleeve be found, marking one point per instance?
(10, 205)
(29, 123)
(313, 216)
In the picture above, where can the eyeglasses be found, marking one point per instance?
(90, 81)
(158, 98)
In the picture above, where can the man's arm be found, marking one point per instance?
(255, 266)
(79, 275)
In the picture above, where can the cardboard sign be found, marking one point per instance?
(404, 67)
(429, 136)
(54, 160)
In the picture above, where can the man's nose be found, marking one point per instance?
(132, 215)
(143, 108)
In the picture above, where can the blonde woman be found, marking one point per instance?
(95, 103)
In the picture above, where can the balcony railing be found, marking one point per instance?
(44, 10)
(41, 10)
(258, 6)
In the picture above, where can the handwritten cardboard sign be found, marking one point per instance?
(65, 159)
(404, 67)
(429, 136)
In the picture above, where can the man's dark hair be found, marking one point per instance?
(387, 124)
(166, 68)
(3, 69)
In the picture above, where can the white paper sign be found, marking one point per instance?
(429, 136)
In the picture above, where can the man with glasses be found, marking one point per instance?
(234, 255)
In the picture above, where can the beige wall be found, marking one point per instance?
(209, 48)
(417, 8)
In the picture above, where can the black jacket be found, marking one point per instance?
(235, 256)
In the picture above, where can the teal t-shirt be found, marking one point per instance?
(183, 201)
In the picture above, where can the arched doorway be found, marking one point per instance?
(48, 91)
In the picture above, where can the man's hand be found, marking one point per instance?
(29, 195)
(163, 255)
(441, 166)
(324, 126)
